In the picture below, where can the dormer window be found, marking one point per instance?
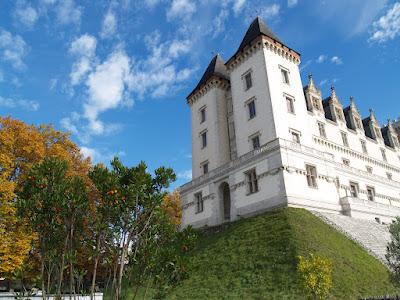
(358, 122)
(378, 132)
(285, 75)
(315, 103)
(339, 114)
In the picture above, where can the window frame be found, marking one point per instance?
(203, 137)
(322, 133)
(345, 138)
(244, 79)
(346, 162)
(384, 155)
(251, 180)
(205, 165)
(371, 188)
(252, 138)
(199, 201)
(203, 116)
(357, 189)
(251, 103)
(290, 104)
(297, 133)
(364, 146)
(285, 72)
(312, 181)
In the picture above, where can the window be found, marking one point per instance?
(315, 102)
(344, 138)
(321, 128)
(371, 193)
(369, 169)
(252, 109)
(358, 123)
(204, 167)
(389, 176)
(295, 136)
(346, 162)
(202, 115)
(247, 80)
(285, 76)
(199, 202)
(354, 189)
(384, 157)
(289, 104)
(311, 174)
(251, 181)
(339, 113)
(204, 139)
(255, 141)
(378, 132)
(364, 147)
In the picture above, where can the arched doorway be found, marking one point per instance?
(225, 193)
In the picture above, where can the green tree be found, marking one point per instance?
(393, 252)
(315, 274)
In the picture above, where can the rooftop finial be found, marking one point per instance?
(309, 76)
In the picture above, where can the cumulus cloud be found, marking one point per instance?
(185, 175)
(12, 49)
(388, 26)
(292, 3)
(67, 12)
(24, 104)
(25, 14)
(84, 48)
(269, 11)
(97, 156)
(336, 60)
(321, 58)
(109, 25)
(238, 5)
(181, 9)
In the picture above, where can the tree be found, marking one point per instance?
(315, 274)
(393, 252)
(22, 146)
(172, 207)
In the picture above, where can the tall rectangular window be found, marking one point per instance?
(384, 157)
(252, 109)
(371, 193)
(255, 142)
(285, 76)
(204, 167)
(290, 104)
(311, 174)
(344, 139)
(321, 128)
(204, 139)
(199, 202)
(248, 81)
(315, 103)
(203, 115)
(364, 147)
(354, 188)
(295, 136)
(251, 181)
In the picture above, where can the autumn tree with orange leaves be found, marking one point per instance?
(21, 146)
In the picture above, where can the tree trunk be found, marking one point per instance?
(61, 276)
(96, 260)
(71, 268)
(42, 275)
(121, 270)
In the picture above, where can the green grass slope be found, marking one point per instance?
(256, 258)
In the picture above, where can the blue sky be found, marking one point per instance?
(116, 73)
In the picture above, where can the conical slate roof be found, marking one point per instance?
(216, 67)
(257, 28)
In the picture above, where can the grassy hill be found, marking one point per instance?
(256, 259)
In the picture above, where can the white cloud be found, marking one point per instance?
(238, 5)
(25, 14)
(388, 26)
(269, 11)
(19, 103)
(84, 48)
(12, 49)
(292, 3)
(53, 83)
(219, 22)
(151, 3)
(336, 60)
(321, 58)
(305, 65)
(68, 13)
(181, 9)
(97, 156)
(109, 25)
(185, 175)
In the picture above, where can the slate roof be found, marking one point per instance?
(367, 128)
(346, 112)
(385, 134)
(215, 68)
(327, 109)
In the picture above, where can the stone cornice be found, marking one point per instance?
(258, 44)
(214, 81)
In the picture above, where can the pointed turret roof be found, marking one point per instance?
(215, 68)
(257, 28)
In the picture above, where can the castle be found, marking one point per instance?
(260, 140)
